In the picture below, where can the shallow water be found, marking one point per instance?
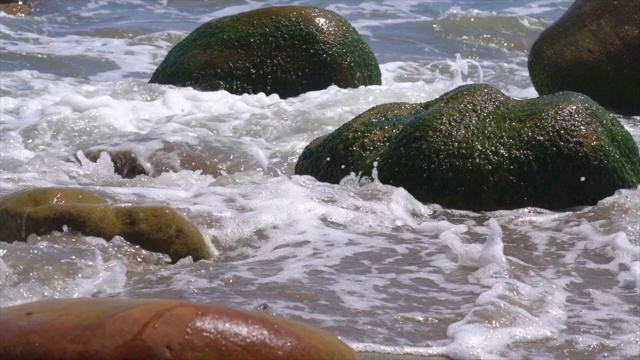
(361, 259)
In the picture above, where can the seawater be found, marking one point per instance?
(361, 259)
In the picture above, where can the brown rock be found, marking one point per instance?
(171, 157)
(125, 162)
(206, 158)
(15, 7)
(135, 329)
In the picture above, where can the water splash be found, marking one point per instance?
(478, 255)
(461, 67)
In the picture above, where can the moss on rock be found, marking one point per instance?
(154, 228)
(475, 148)
(356, 145)
(286, 50)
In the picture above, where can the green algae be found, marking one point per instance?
(356, 145)
(286, 50)
(475, 148)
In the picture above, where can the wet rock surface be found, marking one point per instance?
(474, 148)
(157, 329)
(154, 228)
(285, 50)
(170, 157)
(594, 49)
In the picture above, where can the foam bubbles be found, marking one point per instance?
(631, 278)
(510, 311)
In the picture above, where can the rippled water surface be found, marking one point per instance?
(361, 259)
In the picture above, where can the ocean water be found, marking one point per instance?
(362, 259)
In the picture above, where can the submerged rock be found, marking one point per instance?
(594, 49)
(171, 157)
(475, 148)
(287, 50)
(126, 163)
(154, 228)
(157, 329)
(15, 7)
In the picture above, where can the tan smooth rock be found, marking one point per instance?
(16, 207)
(160, 229)
(154, 228)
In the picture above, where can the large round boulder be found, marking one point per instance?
(286, 50)
(154, 228)
(78, 329)
(475, 148)
(594, 49)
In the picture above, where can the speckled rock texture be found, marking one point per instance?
(286, 50)
(476, 149)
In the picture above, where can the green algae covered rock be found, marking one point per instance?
(286, 50)
(593, 49)
(154, 228)
(133, 329)
(356, 145)
(475, 148)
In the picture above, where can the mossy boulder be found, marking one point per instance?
(594, 49)
(75, 329)
(356, 145)
(475, 148)
(287, 50)
(154, 228)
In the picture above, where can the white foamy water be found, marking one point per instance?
(361, 259)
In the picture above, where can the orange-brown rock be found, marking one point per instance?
(123, 329)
